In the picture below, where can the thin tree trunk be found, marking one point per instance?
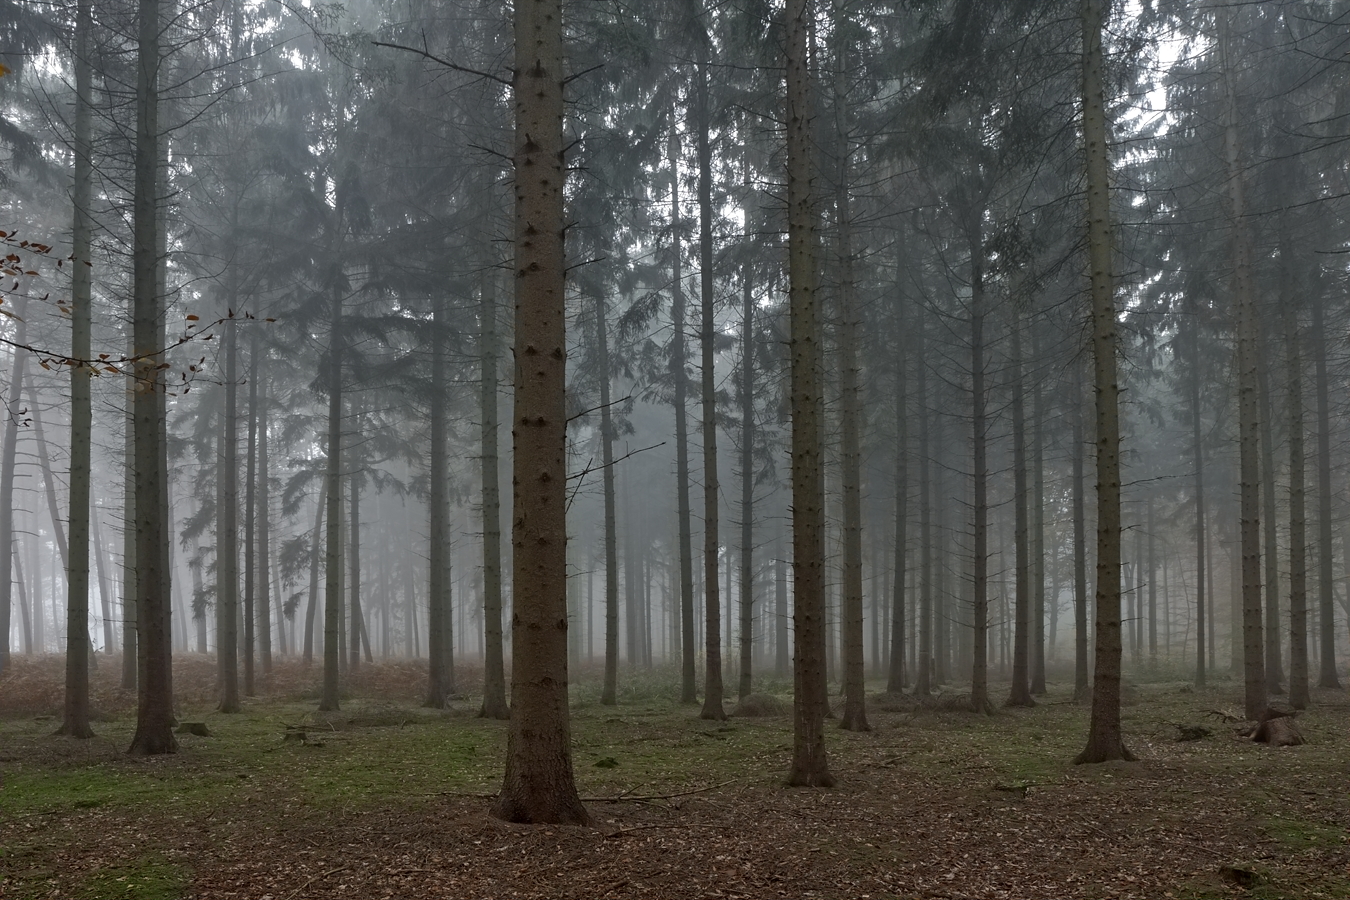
(712, 599)
(104, 586)
(439, 673)
(1020, 693)
(810, 764)
(688, 689)
(1270, 539)
(1298, 552)
(312, 601)
(13, 416)
(227, 531)
(1327, 677)
(1198, 463)
(854, 717)
(494, 665)
(979, 678)
(609, 694)
(895, 676)
(332, 601)
(75, 721)
(1037, 527)
(264, 512)
(130, 653)
(747, 373)
(923, 679)
(250, 521)
(1081, 685)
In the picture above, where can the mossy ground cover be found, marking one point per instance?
(385, 798)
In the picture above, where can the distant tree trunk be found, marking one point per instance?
(1298, 551)
(332, 599)
(154, 708)
(712, 599)
(312, 601)
(494, 665)
(923, 679)
(609, 694)
(895, 675)
(539, 785)
(227, 529)
(1249, 417)
(360, 637)
(1037, 529)
(14, 413)
(747, 373)
(979, 678)
(1104, 735)
(854, 717)
(810, 765)
(1270, 540)
(75, 721)
(1326, 612)
(439, 673)
(1198, 463)
(688, 689)
(104, 586)
(130, 669)
(1152, 590)
(1020, 693)
(264, 529)
(250, 520)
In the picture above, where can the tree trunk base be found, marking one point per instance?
(80, 730)
(854, 720)
(1098, 752)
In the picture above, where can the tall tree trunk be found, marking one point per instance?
(1326, 612)
(14, 414)
(782, 650)
(1198, 463)
(494, 664)
(712, 598)
(1020, 693)
(539, 785)
(979, 677)
(227, 526)
(263, 511)
(315, 557)
(688, 689)
(1270, 539)
(609, 694)
(75, 721)
(438, 503)
(359, 637)
(895, 675)
(1081, 685)
(1249, 417)
(747, 373)
(48, 476)
(332, 599)
(1298, 551)
(1037, 527)
(104, 585)
(154, 707)
(130, 653)
(810, 765)
(1104, 736)
(854, 717)
(923, 679)
(250, 521)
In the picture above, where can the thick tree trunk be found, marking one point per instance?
(1020, 693)
(1249, 417)
(810, 765)
(494, 663)
(154, 708)
(1270, 540)
(712, 599)
(75, 721)
(538, 785)
(1104, 735)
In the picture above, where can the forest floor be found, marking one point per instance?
(386, 799)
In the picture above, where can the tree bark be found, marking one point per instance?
(712, 599)
(688, 689)
(895, 675)
(1104, 735)
(1298, 551)
(263, 511)
(227, 528)
(810, 764)
(250, 522)
(494, 664)
(979, 678)
(1326, 611)
(332, 590)
(1081, 685)
(747, 373)
(154, 707)
(439, 673)
(75, 721)
(1249, 417)
(609, 694)
(1020, 693)
(539, 785)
